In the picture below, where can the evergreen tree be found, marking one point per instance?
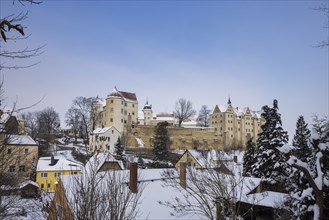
(269, 161)
(302, 150)
(308, 197)
(161, 140)
(248, 158)
(118, 149)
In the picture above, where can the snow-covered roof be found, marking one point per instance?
(223, 108)
(6, 114)
(27, 182)
(103, 130)
(61, 164)
(20, 140)
(100, 101)
(210, 157)
(238, 111)
(190, 123)
(199, 158)
(267, 199)
(127, 96)
(97, 161)
(163, 117)
(154, 191)
(218, 155)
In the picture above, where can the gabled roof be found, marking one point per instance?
(96, 162)
(20, 140)
(28, 182)
(61, 164)
(103, 130)
(216, 109)
(128, 96)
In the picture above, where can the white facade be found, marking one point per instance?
(104, 139)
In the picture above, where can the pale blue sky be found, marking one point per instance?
(204, 51)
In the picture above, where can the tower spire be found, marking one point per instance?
(229, 100)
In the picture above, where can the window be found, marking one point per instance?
(74, 172)
(111, 100)
(9, 151)
(111, 109)
(57, 174)
(44, 175)
(125, 112)
(22, 168)
(121, 111)
(42, 186)
(26, 151)
(133, 113)
(125, 121)
(111, 119)
(48, 185)
(121, 102)
(112, 131)
(121, 120)
(133, 105)
(12, 169)
(126, 104)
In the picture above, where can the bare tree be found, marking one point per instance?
(13, 22)
(206, 193)
(31, 123)
(183, 110)
(83, 106)
(203, 117)
(74, 121)
(48, 120)
(102, 195)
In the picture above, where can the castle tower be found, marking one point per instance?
(114, 110)
(148, 113)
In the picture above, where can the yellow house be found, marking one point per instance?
(50, 169)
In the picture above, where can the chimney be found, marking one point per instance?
(182, 174)
(235, 159)
(133, 177)
(52, 160)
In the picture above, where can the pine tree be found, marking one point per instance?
(306, 196)
(270, 163)
(248, 158)
(302, 150)
(161, 140)
(118, 149)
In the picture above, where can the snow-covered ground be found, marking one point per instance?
(24, 209)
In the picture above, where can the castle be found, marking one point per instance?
(229, 126)
(119, 109)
